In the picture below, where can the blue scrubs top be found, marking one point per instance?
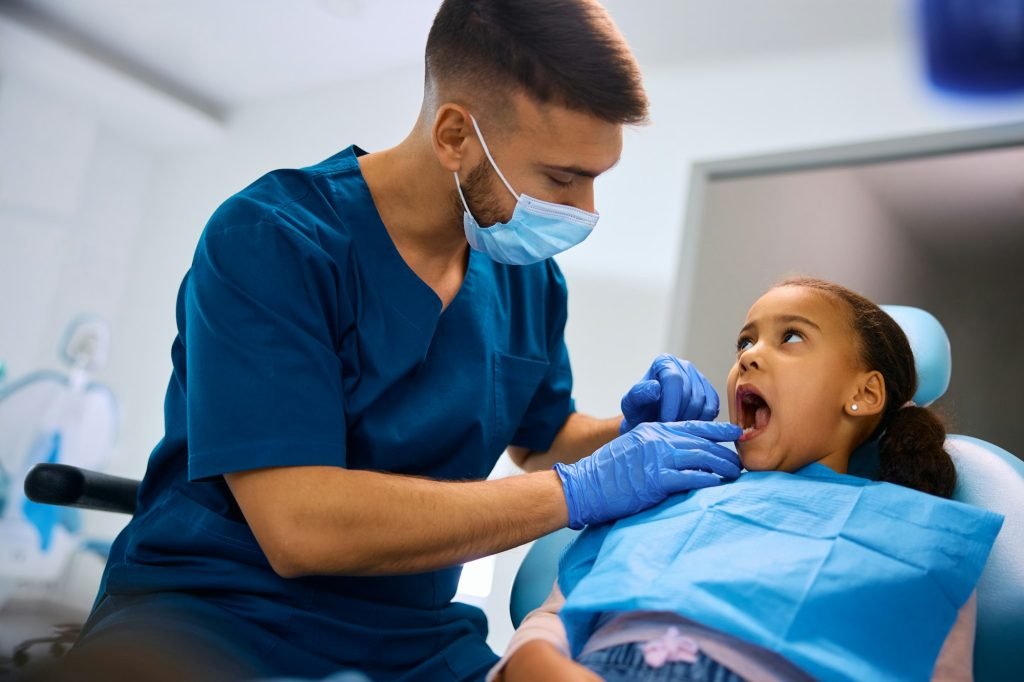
(305, 339)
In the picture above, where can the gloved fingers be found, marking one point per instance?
(640, 404)
(657, 365)
(681, 481)
(693, 405)
(715, 462)
(711, 402)
(675, 387)
(686, 393)
(718, 432)
(640, 397)
(687, 439)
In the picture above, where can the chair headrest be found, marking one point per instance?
(930, 345)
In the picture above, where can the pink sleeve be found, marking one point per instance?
(542, 623)
(956, 660)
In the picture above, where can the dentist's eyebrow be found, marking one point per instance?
(784, 319)
(578, 170)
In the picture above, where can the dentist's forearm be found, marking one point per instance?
(329, 520)
(580, 436)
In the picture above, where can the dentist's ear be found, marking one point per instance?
(869, 397)
(449, 136)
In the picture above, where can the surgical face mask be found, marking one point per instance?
(537, 229)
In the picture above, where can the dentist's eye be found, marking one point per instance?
(744, 343)
(559, 182)
(792, 334)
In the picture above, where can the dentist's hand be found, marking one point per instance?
(671, 390)
(643, 467)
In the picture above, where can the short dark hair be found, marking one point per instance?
(565, 52)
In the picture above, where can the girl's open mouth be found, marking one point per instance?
(754, 412)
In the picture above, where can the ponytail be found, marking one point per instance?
(911, 453)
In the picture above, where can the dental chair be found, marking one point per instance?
(987, 476)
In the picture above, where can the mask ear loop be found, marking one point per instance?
(458, 186)
(490, 158)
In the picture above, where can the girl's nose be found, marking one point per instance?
(749, 358)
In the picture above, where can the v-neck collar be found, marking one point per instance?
(407, 293)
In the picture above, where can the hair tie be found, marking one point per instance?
(909, 403)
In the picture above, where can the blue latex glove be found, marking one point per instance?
(643, 467)
(671, 390)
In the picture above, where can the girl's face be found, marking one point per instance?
(796, 376)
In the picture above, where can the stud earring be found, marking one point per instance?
(854, 407)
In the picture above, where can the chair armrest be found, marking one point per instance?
(68, 486)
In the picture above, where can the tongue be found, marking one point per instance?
(761, 417)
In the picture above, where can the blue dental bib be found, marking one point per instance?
(847, 578)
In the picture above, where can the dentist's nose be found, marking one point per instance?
(589, 204)
(582, 195)
(584, 200)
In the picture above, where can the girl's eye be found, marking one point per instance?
(790, 334)
(743, 344)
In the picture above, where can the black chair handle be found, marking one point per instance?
(68, 486)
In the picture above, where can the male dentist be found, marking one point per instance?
(359, 340)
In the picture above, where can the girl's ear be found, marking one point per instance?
(869, 397)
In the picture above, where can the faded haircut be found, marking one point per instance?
(562, 52)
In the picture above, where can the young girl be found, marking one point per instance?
(797, 570)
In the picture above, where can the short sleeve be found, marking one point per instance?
(260, 332)
(552, 403)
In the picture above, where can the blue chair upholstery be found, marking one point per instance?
(990, 477)
(930, 346)
(987, 476)
(537, 573)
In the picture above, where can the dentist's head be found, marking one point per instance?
(524, 105)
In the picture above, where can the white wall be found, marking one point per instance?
(71, 199)
(72, 192)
